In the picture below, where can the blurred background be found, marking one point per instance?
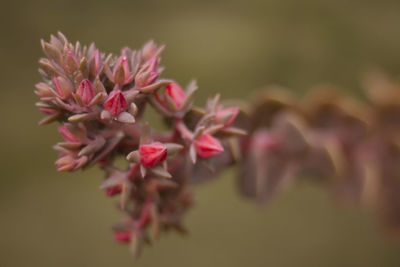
(233, 47)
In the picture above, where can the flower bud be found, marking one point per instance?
(115, 103)
(208, 146)
(152, 154)
(226, 116)
(176, 94)
(65, 163)
(114, 190)
(148, 74)
(149, 50)
(121, 71)
(86, 91)
(122, 237)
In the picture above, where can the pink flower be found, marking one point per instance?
(86, 91)
(122, 237)
(226, 116)
(152, 154)
(114, 190)
(66, 134)
(208, 146)
(175, 92)
(115, 103)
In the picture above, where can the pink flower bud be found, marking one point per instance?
(226, 116)
(115, 103)
(151, 154)
(208, 146)
(148, 74)
(122, 237)
(149, 50)
(175, 92)
(66, 134)
(86, 91)
(122, 61)
(65, 163)
(114, 190)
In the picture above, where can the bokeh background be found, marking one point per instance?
(56, 219)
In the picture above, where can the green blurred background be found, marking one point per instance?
(56, 219)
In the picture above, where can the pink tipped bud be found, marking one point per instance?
(115, 103)
(208, 146)
(122, 237)
(148, 74)
(123, 64)
(149, 50)
(226, 116)
(114, 190)
(175, 92)
(151, 154)
(65, 163)
(66, 134)
(86, 91)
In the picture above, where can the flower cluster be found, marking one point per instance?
(100, 99)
